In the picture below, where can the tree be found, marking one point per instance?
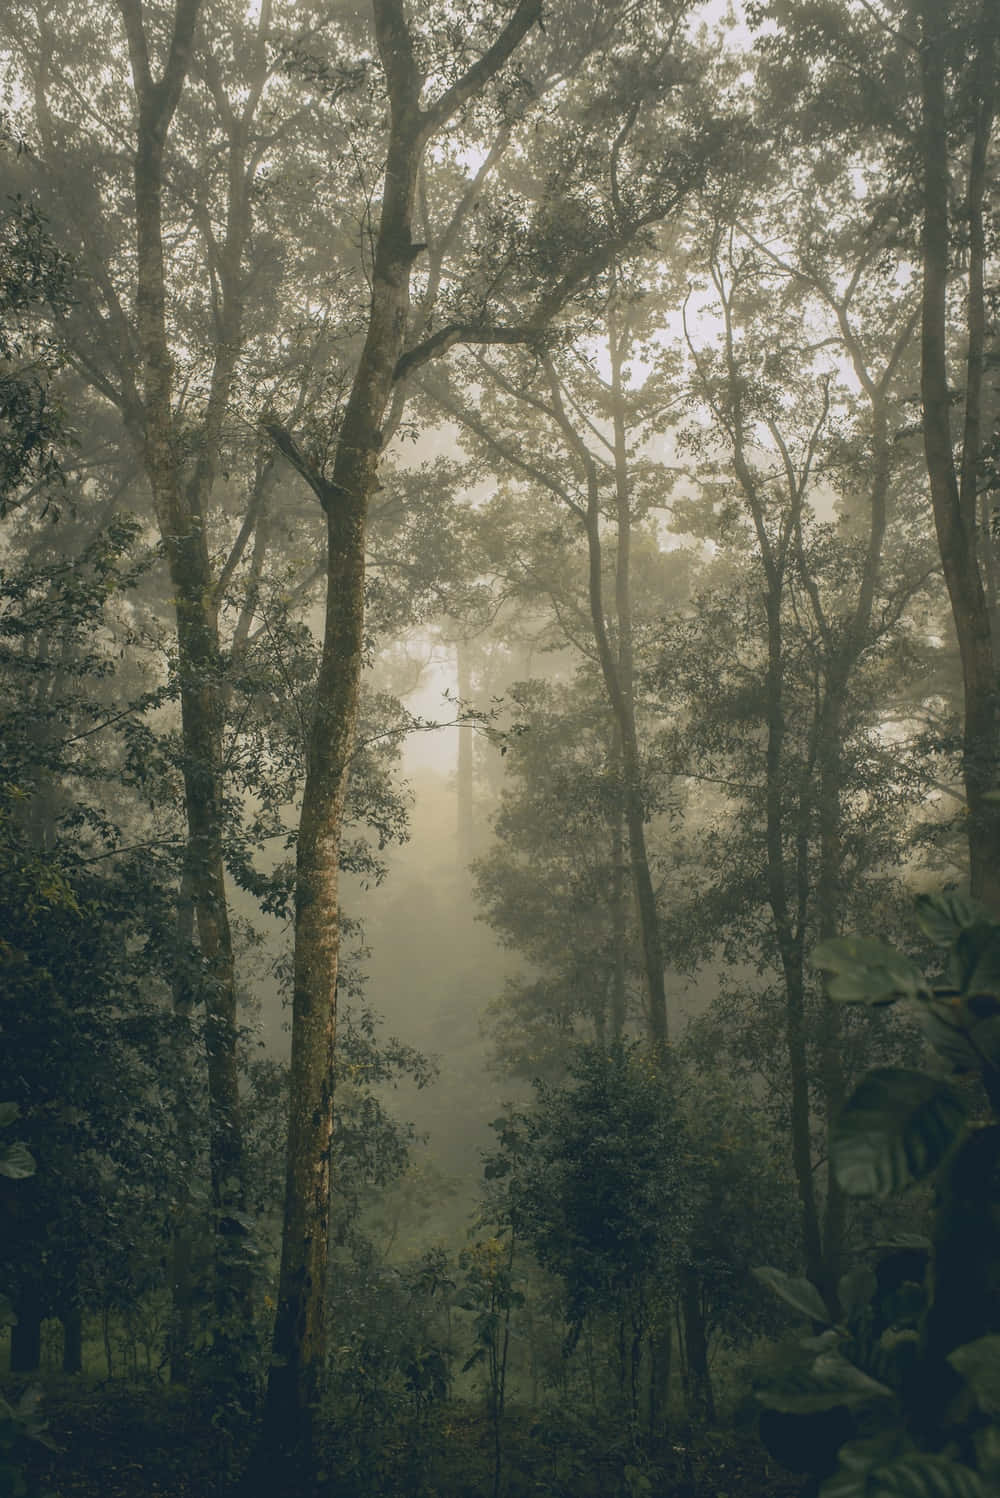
(786, 418)
(34, 278)
(959, 496)
(907, 90)
(296, 1374)
(88, 1042)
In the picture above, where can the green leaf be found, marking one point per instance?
(868, 972)
(987, 1441)
(8, 1113)
(824, 1342)
(831, 1381)
(800, 1294)
(943, 918)
(945, 1026)
(966, 1039)
(974, 965)
(979, 1364)
(913, 1475)
(856, 1290)
(16, 1161)
(871, 1451)
(905, 1240)
(897, 1128)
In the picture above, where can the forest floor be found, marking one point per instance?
(128, 1440)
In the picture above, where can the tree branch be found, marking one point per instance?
(325, 491)
(445, 338)
(475, 78)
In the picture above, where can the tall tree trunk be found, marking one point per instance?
(464, 775)
(180, 1262)
(619, 932)
(788, 878)
(624, 698)
(616, 670)
(788, 931)
(701, 1399)
(72, 1325)
(179, 509)
(296, 1376)
(953, 494)
(829, 906)
(26, 1333)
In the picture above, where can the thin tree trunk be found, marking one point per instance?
(788, 899)
(954, 498)
(616, 670)
(619, 934)
(180, 1330)
(464, 774)
(635, 813)
(180, 514)
(72, 1325)
(701, 1399)
(26, 1333)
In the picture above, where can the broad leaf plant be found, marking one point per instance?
(907, 1380)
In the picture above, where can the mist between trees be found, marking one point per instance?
(500, 806)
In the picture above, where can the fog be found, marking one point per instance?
(499, 749)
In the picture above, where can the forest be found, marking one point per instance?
(499, 749)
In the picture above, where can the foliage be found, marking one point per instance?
(915, 1372)
(595, 1182)
(35, 285)
(88, 1045)
(22, 1421)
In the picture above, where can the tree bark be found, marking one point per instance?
(616, 670)
(464, 782)
(953, 496)
(180, 507)
(296, 1376)
(72, 1325)
(701, 1399)
(624, 699)
(26, 1333)
(619, 934)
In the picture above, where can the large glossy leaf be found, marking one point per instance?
(979, 1364)
(800, 1294)
(913, 1475)
(943, 918)
(974, 964)
(868, 972)
(856, 1290)
(965, 1032)
(16, 1161)
(831, 1381)
(8, 1113)
(896, 1128)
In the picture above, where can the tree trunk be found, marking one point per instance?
(618, 913)
(954, 500)
(661, 1348)
(701, 1400)
(180, 1262)
(296, 1376)
(180, 515)
(26, 1333)
(624, 699)
(72, 1325)
(789, 939)
(464, 774)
